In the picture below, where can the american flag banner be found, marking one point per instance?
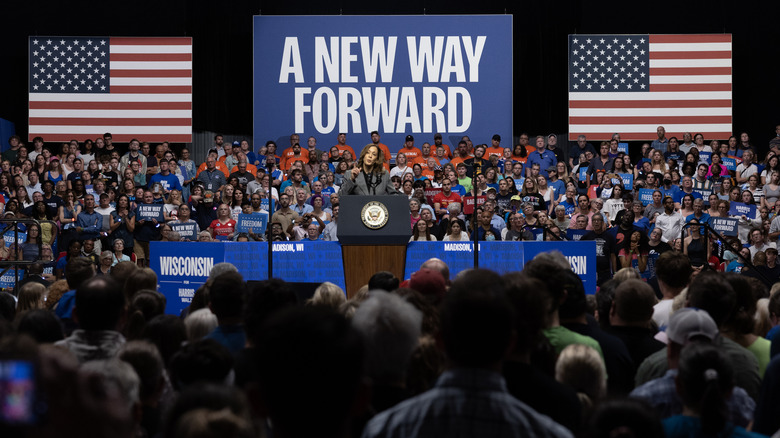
(82, 87)
(631, 84)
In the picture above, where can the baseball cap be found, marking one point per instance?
(516, 198)
(429, 283)
(437, 135)
(688, 322)
(409, 138)
(236, 143)
(552, 135)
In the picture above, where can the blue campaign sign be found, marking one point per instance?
(581, 256)
(457, 255)
(181, 268)
(8, 237)
(646, 196)
(398, 75)
(250, 258)
(627, 179)
(623, 147)
(730, 163)
(724, 225)
(149, 212)
(256, 222)
(503, 257)
(187, 230)
(739, 208)
(575, 235)
(309, 262)
(9, 279)
(705, 194)
(583, 173)
(705, 157)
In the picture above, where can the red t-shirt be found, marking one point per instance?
(444, 201)
(221, 231)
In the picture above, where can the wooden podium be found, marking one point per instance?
(367, 248)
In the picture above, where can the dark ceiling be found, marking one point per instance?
(222, 32)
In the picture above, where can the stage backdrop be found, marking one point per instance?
(419, 75)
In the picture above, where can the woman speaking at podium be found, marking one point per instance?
(369, 176)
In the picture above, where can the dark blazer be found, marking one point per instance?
(359, 186)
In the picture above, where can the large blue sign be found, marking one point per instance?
(399, 75)
(182, 267)
(308, 262)
(504, 257)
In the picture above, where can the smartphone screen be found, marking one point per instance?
(17, 392)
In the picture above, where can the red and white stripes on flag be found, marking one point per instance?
(681, 82)
(131, 87)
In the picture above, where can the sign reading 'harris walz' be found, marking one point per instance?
(399, 75)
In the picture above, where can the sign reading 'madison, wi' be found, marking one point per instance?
(399, 75)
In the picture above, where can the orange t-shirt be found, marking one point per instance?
(447, 150)
(457, 160)
(346, 148)
(251, 168)
(424, 162)
(494, 151)
(220, 165)
(411, 154)
(288, 161)
(288, 153)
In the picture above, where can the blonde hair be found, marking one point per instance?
(626, 274)
(775, 288)
(763, 325)
(31, 297)
(329, 295)
(582, 368)
(679, 301)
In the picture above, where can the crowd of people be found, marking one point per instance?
(523, 354)
(83, 198)
(668, 345)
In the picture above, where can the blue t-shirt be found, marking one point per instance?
(545, 159)
(672, 191)
(168, 182)
(559, 187)
(570, 207)
(679, 195)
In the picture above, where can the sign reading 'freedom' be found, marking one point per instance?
(398, 75)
